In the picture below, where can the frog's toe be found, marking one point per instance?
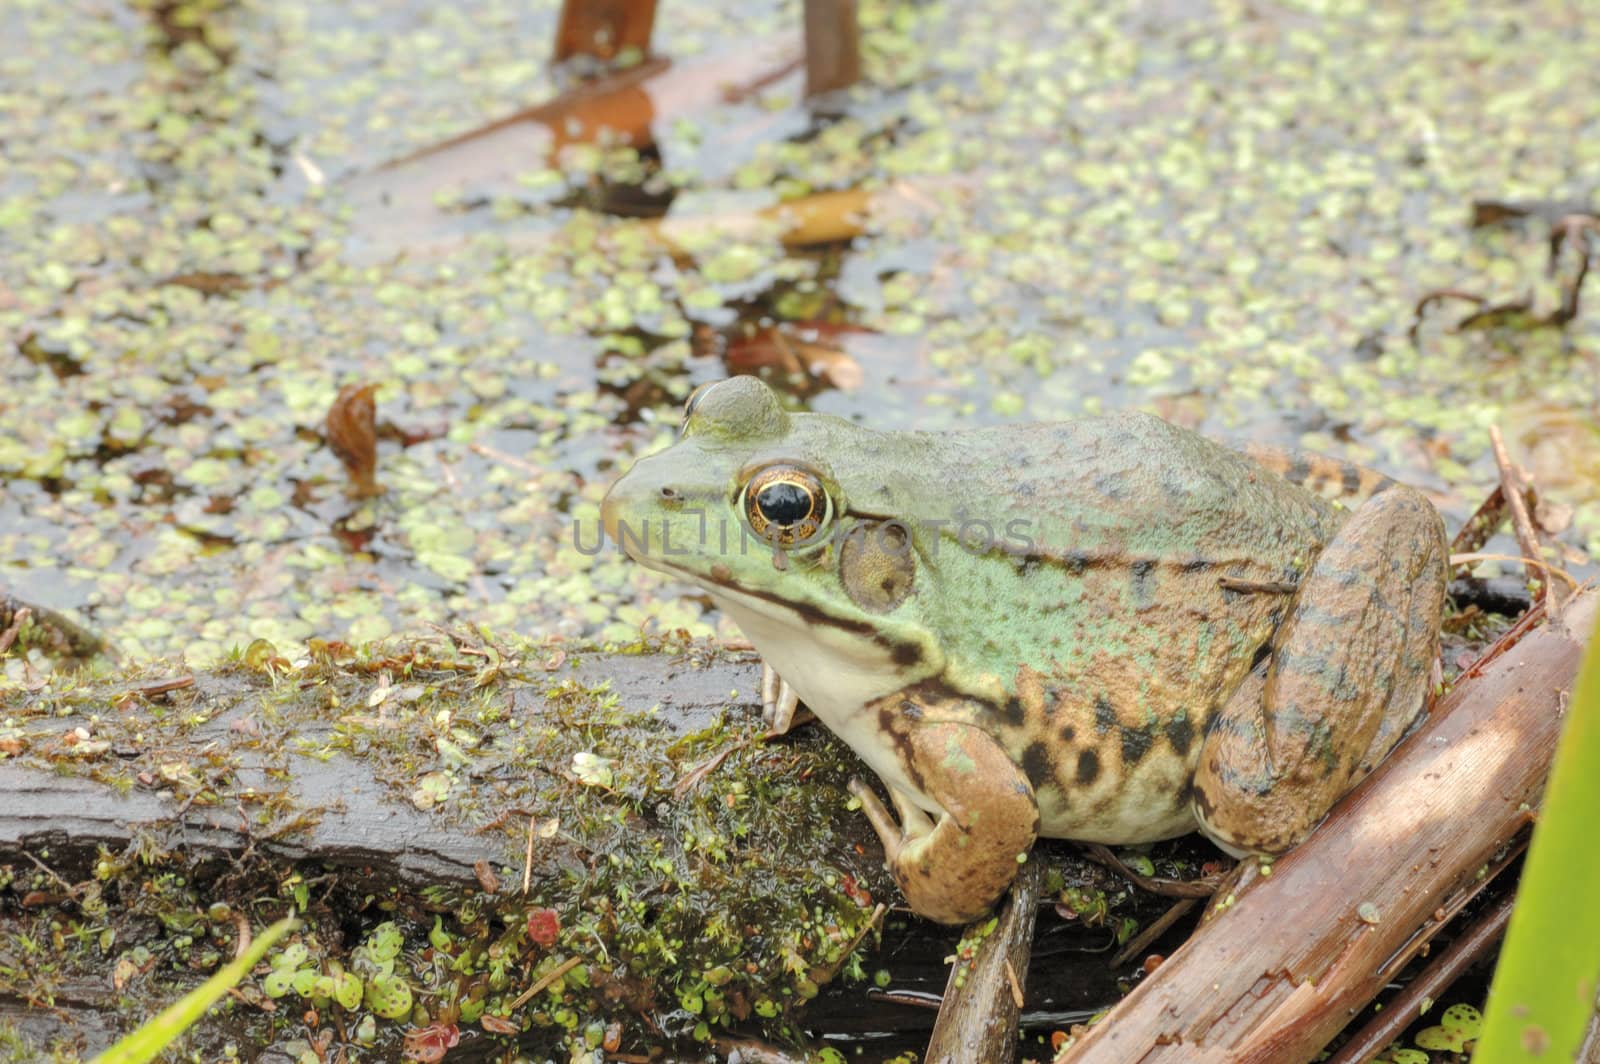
(778, 701)
(882, 821)
(914, 822)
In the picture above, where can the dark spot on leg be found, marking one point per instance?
(1012, 713)
(1136, 742)
(1180, 732)
(1037, 764)
(1105, 717)
(1088, 767)
(1068, 733)
(1350, 480)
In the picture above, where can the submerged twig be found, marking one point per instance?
(1203, 887)
(1514, 488)
(1158, 927)
(1481, 526)
(1568, 227)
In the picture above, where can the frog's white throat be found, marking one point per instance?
(835, 671)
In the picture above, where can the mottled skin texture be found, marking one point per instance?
(1110, 629)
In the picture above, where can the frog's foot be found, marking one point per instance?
(778, 701)
(953, 866)
(1351, 663)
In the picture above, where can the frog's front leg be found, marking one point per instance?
(1350, 666)
(953, 866)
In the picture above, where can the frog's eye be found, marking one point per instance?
(786, 505)
(690, 403)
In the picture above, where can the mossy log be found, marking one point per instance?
(534, 807)
(697, 875)
(108, 765)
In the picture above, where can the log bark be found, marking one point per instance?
(1294, 955)
(978, 1019)
(343, 815)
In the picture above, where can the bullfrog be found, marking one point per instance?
(1109, 629)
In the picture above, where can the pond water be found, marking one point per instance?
(1224, 213)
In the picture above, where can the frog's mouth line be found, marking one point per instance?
(900, 652)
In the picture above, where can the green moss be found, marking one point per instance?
(713, 894)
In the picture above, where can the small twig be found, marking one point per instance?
(9, 636)
(1399, 1013)
(1140, 942)
(1574, 228)
(828, 972)
(549, 977)
(916, 999)
(1489, 556)
(527, 861)
(1513, 487)
(161, 687)
(485, 451)
(1016, 986)
(1482, 525)
(1203, 887)
(242, 943)
(693, 777)
(1494, 212)
(1438, 296)
(705, 768)
(53, 874)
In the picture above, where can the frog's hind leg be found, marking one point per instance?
(1349, 669)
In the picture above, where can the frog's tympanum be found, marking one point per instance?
(1110, 629)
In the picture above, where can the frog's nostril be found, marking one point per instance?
(669, 494)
